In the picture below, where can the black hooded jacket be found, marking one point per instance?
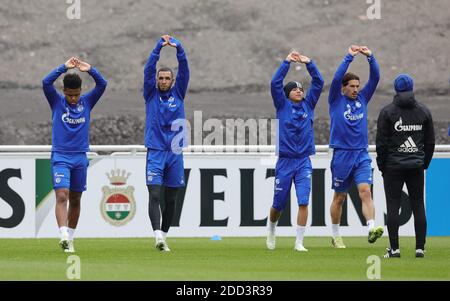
(405, 134)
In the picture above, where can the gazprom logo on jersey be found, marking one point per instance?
(352, 117)
(399, 127)
(66, 118)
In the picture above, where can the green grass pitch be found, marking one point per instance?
(228, 259)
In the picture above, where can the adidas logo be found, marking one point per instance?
(409, 146)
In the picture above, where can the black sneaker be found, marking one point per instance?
(392, 253)
(420, 253)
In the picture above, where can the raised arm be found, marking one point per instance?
(150, 69)
(182, 80)
(47, 83)
(100, 83)
(374, 76)
(317, 81)
(336, 84)
(382, 140)
(276, 85)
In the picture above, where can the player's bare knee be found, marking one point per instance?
(339, 198)
(365, 194)
(74, 203)
(62, 195)
(75, 197)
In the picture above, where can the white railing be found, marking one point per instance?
(133, 149)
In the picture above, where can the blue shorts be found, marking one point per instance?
(292, 170)
(164, 168)
(349, 165)
(69, 170)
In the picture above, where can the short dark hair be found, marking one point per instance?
(72, 81)
(348, 77)
(164, 69)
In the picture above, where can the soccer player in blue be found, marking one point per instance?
(348, 139)
(165, 129)
(295, 114)
(70, 142)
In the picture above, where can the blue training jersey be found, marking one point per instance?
(295, 120)
(348, 128)
(165, 125)
(71, 122)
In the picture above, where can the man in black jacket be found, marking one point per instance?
(405, 145)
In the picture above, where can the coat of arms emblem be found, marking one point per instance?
(118, 206)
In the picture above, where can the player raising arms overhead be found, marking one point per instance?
(165, 124)
(348, 139)
(295, 113)
(70, 141)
